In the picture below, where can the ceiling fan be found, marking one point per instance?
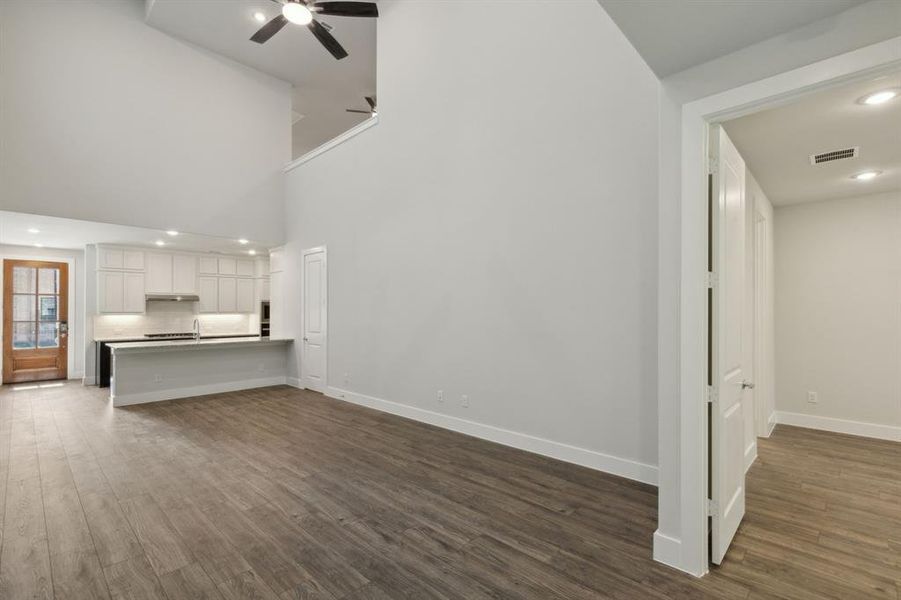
(370, 100)
(301, 12)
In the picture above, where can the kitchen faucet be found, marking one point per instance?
(196, 329)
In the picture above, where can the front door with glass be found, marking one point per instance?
(35, 329)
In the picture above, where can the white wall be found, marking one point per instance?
(867, 24)
(495, 234)
(76, 299)
(838, 309)
(104, 118)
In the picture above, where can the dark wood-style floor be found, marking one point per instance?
(279, 493)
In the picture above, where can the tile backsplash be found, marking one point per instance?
(172, 317)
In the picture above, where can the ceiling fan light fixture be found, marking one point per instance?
(297, 13)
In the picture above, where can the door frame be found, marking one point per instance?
(74, 304)
(64, 276)
(761, 366)
(303, 379)
(690, 488)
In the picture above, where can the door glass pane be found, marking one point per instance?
(24, 281)
(48, 308)
(23, 307)
(48, 336)
(24, 335)
(48, 281)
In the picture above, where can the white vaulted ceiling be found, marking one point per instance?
(324, 87)
(673, 35)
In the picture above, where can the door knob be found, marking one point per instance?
(747, 385)
(306, 340)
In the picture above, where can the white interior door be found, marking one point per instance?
(315, 319)
(727, 469)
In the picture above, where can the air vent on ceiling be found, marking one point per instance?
(823, 157)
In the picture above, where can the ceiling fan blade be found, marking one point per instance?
(362, 112)
(371, 101)
(269, 29)
(327, 40)
(346, 9)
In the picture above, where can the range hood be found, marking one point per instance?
(172, 297)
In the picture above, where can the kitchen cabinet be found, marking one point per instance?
(120, 292)
(159, 273)
(209, 265)
(244, 295)
(119, 258)
(208, 290)
(184, 274)
(244, 268)
(228, 294)
(171, 273)
(228, 266)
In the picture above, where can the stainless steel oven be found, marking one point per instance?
(264, 319)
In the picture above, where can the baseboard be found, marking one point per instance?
(294, 382)
(197, 390)
(870, 430)
(76, 375)
(668, 550)
(771, 424)
(88, 380)
(580, 456)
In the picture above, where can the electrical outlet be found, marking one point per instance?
(346, 379)
(261, 367)
(464, 400)
(440, 395)
(812, 397)
(157, 378)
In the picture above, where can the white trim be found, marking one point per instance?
(771, 424)
(667, 550)
(860, 428)
(88, 380)
(294, 382)
(72, 301)
(696, 116)
(336, 141)
(195, 390)
(598, 461)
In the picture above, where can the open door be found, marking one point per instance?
(727, 427)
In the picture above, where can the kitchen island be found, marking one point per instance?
(154, 371)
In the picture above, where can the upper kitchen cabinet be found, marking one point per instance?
(120, 292)
(228, 266)
(120, 259)
(171, 273)
(209, 265)
(184, 274)
(159, 273)
(244, 268)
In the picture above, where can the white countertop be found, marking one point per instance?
(162, 345)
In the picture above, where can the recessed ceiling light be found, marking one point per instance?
(172, 232)
(242, 241)
(251, 252)
(33, 230)
(160, 243)
(39, 245)
(259, 16)
(297, 13)
(878, 97)
(866, 175)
